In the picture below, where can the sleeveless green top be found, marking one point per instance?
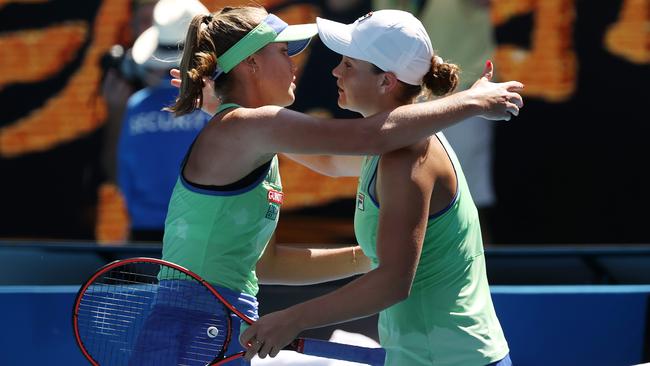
(220, 235)
(448, 319)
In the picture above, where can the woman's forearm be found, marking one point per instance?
(330, 165)
(294, 265)
(274, 129)
(367, 295)
(319, 163)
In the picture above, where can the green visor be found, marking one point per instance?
(271, 29)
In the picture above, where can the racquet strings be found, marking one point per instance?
(144, 313)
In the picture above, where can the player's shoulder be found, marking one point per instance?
(243, 114)
(408, 154)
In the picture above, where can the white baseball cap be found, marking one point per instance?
(161, 45)
(392, 40)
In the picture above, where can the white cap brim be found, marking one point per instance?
(338, 38)
(160, 46)
(145, 45)
(145, 51)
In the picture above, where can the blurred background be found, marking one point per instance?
(563, 189)
(570, 169)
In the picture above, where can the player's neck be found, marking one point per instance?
(380, 108)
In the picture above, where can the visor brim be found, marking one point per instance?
(297, 37)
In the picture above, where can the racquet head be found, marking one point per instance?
(146, 311)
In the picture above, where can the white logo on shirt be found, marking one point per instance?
(156, 122)
(360, 200)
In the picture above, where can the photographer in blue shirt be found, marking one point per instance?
(153, 142)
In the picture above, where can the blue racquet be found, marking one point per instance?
(147, 311)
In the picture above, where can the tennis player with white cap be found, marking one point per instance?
(414, 218)
(389, 39)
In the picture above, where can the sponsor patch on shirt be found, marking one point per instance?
(275, 196)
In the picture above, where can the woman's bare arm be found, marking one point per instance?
(297, 265)
(273, 129)
(404, 194)
(331, 165)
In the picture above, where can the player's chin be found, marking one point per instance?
(286, 101)
(342, 102)
(290, 98)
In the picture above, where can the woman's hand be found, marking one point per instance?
(210, 101)
(498, 101)
(270, 334)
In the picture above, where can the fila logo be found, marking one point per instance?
(276, 196)
(364, 17)
(360, 199)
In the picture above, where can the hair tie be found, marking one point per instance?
(438, 60)
(207, 18)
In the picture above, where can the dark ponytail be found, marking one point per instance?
(442, 77)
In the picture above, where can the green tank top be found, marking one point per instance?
(449, 318)
(220, 235)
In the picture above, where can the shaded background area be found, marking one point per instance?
(574, 171)
(570, 169)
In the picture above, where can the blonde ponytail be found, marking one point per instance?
(208, 37)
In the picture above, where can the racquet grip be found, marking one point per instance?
(339, 351)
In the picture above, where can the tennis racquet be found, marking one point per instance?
(146, 311)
